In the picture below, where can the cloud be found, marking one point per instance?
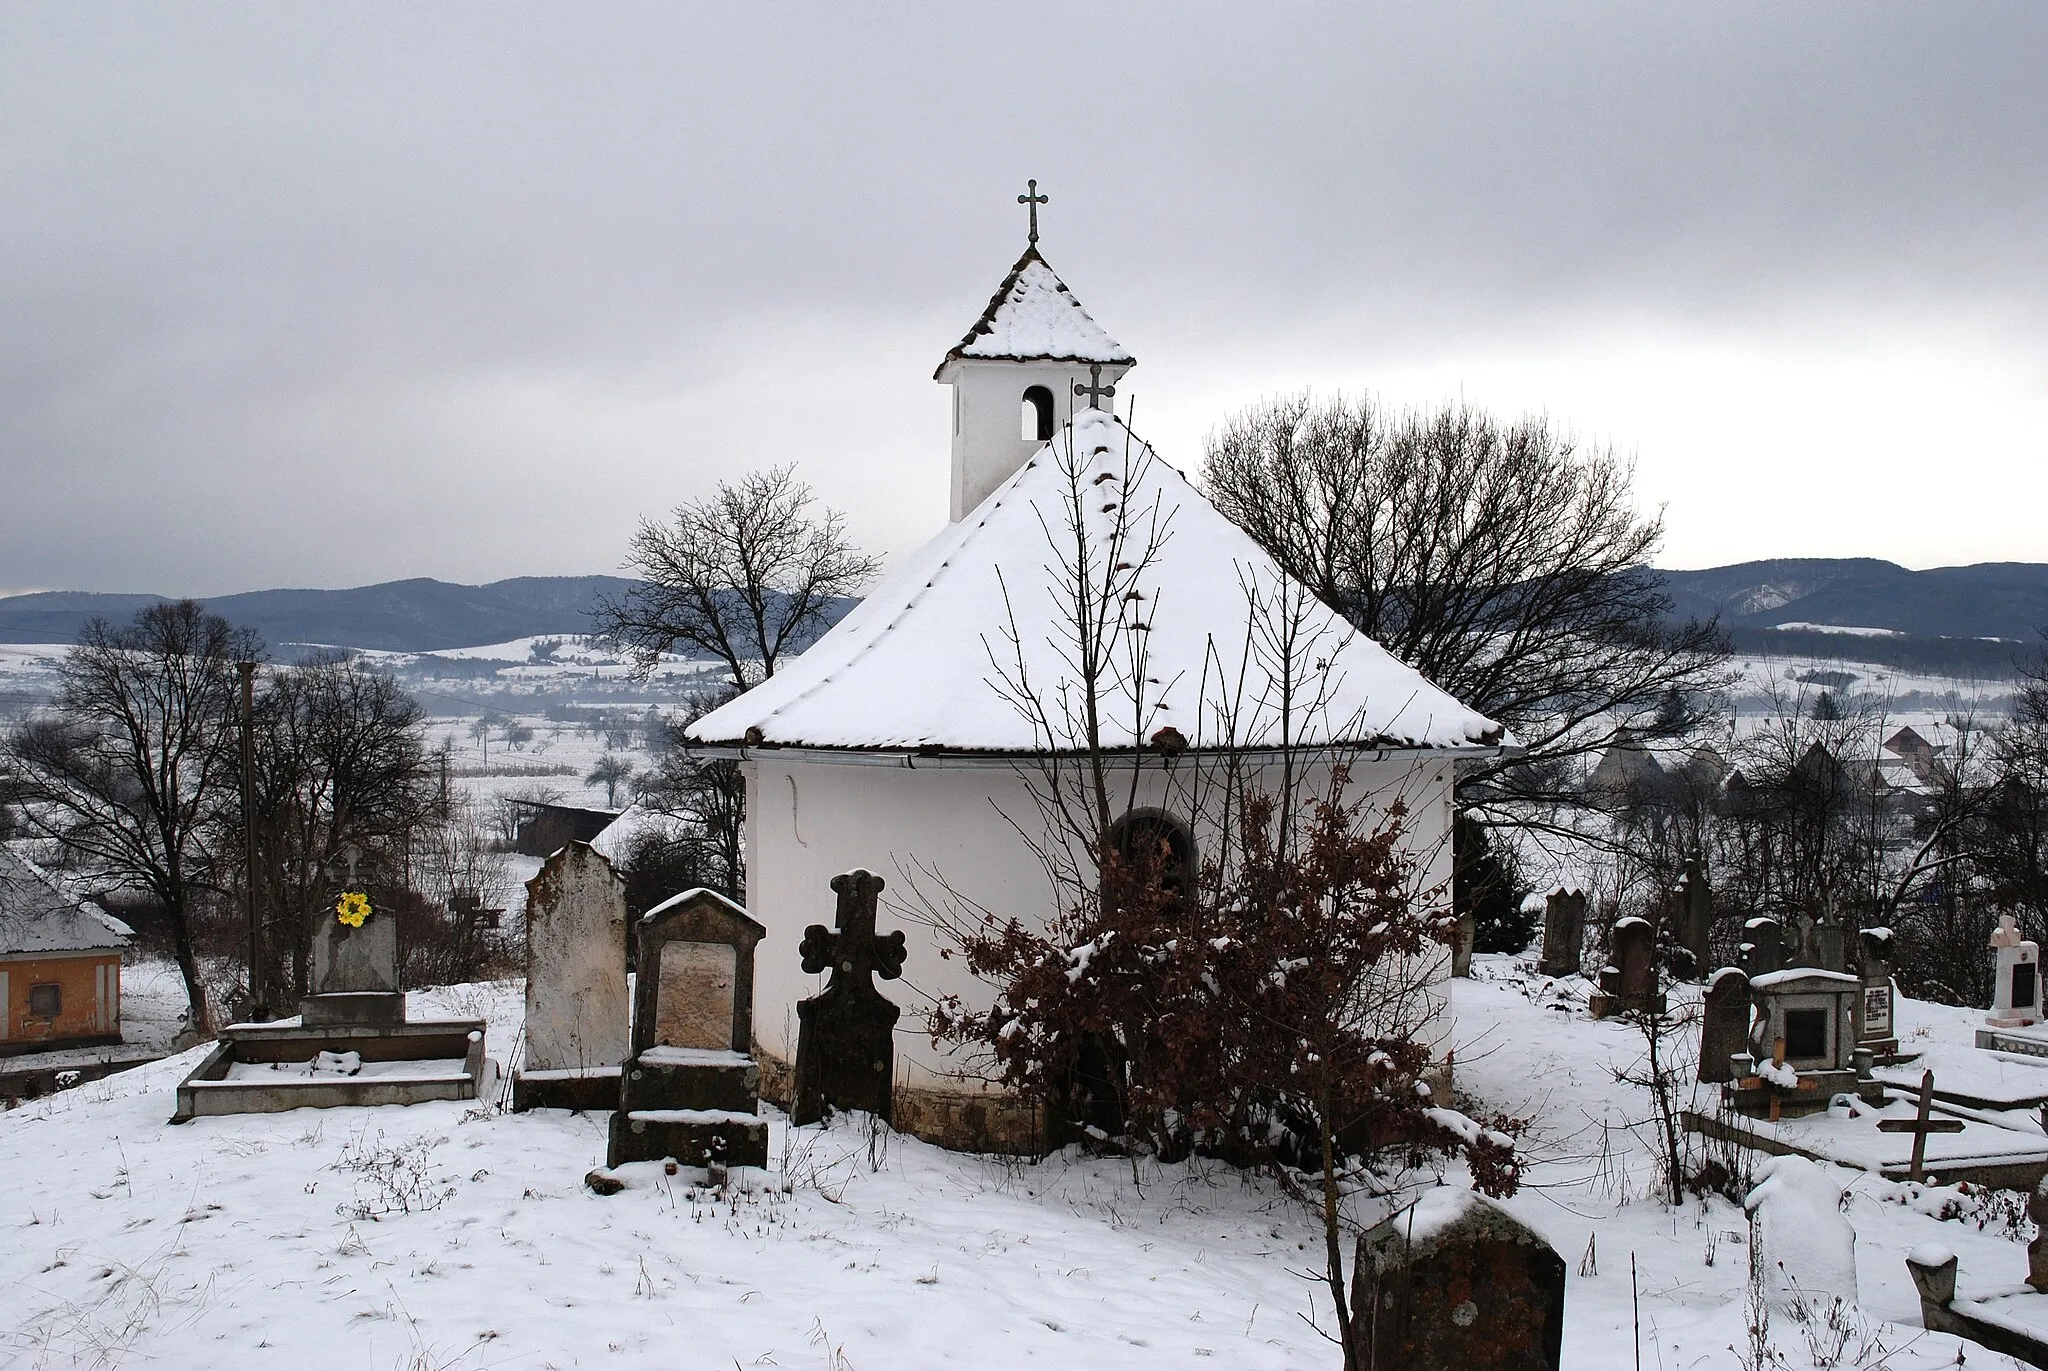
(325, 296)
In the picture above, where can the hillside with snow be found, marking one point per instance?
(452, 1236)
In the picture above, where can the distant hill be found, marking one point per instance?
(418, 615)
(1938, 620)
(1989, 600)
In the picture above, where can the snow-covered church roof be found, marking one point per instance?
(939, 657)
(1033, 317)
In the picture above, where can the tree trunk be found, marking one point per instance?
(1333, 1241)
(188, 967)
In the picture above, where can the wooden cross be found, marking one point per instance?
(1920, 1126)
(854, 953)
(1095, 390)
(1034, 199)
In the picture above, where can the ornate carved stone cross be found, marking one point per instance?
(845, 1054)
(854, 951)
(1034, 199)
(1095, 390)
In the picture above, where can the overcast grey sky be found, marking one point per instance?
(333, 294)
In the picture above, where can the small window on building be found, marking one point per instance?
(1806, 1033)
(45, 1001)
(1037, 414)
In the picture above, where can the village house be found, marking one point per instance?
(60, 964)
(923, 736)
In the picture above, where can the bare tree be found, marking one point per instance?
(747, 575)
(131, 767)
(1500, 560)
(610, 770)
(341, 762)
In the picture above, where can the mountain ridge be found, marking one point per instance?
(1981, 604)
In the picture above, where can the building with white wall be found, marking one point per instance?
(923, 736)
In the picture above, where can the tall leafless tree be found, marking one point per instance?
(747, 575)
(131, 767)
(1502, 561)
(341, 762)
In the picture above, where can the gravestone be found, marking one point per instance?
(1724, 1024)
(1455, 1281)
(1801, 1244)
(691, 1089)
(1564, 933)
(1693, 899)
(2016, 989)
(1875, 1030)
(578, 1015)
(1763, 947)
(1812, 1010)
(355, 969)
(1628, 983)
(845, 1051)
(1461, 947)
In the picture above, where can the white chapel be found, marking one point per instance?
(916, 738)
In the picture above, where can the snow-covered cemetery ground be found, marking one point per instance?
(461, 1235)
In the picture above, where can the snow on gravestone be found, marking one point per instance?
(577, 1013)
(1455, 1280)
(1800, 1240)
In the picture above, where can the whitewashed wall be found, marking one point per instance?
(809, 821)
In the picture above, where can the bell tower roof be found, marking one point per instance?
(1033, 317)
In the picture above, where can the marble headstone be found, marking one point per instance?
(578, 1017)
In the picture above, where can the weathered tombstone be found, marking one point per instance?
(845, 1050)
(2016, 989)
(1874, 1028)
(1763, 947)
(1461, 947)
(1827, 944)
(578, 1015)
(1628, 983)
(1800, 1241)
(1564, 932)
(355, 970)
(1812, 1010)
(691, 1089)
(1454, 1280)
(1694, 900)
(1724, 1024)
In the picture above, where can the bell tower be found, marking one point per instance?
(1031, 359)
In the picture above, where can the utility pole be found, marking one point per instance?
(259, 982)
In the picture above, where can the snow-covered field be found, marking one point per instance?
(285, 1239)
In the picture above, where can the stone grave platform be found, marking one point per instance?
(1974, 1078)
(1985, 1151)
(267, 1068)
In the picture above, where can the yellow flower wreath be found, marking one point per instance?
(353, 908)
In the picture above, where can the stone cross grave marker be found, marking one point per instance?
(2016, 989)
(845, 1055)
(1564, 933)
(1724, 1024)
(578, 1017)
(1454, 1280)
(1920, 1126)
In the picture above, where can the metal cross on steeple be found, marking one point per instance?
(1095, 390)
(1034, 199)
